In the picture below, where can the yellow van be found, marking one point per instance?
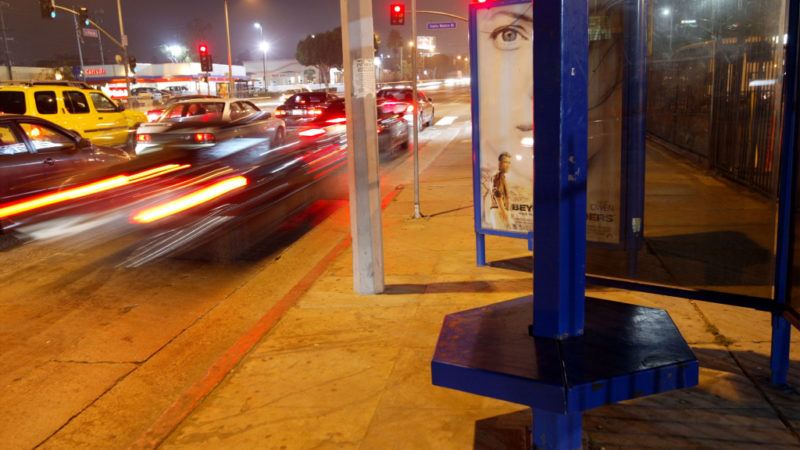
(74, 106)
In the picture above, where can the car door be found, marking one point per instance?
(109, 119)
(20, 167)
(57, 153)
(80, 117)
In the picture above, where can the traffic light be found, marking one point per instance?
(397, 13)
(206, 64)
(132, 63)
(48, 9)
(83, 17)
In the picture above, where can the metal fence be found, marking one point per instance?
(720, 100)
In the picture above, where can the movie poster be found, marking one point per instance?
(505, 64)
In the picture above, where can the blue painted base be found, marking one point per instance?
(626, 351)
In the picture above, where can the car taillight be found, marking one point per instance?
(280, 113)
(204, 138)
(410, 109)
(313, 132)
(315, 112)
(143, 138)
(337, 120)
(189, 201)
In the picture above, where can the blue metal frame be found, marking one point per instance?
(561, 114)
(634, 127)
(781, 329)
(480, 232)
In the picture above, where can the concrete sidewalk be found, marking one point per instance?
(345, 371)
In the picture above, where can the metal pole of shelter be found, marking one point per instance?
(230, 58)
(363, 166)
(561, 134)
(124, 42)
(784, 255)
(560, 61)
(414, 56)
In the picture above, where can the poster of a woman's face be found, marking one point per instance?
(504, 45)
(505, 61)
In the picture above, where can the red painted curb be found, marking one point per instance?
(169, 420)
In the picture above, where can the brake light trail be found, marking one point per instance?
(27, 205)
(190, 201)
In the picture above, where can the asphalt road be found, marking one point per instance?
(92, 351)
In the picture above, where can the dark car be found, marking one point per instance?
(300, 109)
(38, 156)
(202, 123)
(155, 113)
(392, 128)
(400, 101)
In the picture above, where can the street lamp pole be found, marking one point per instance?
(263, 47)
(230, 58)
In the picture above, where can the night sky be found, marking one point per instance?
(150, 23)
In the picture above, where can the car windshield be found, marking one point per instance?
(308, 98)
(195, 112)
(399, 95)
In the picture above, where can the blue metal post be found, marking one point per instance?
(553, 431)
(781, 331)
(634, 126)
(560, 61)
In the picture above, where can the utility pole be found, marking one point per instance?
(230, 58)
(124, 41)
(362, 137)
(414, 55)
(5, 40)
(80, 49)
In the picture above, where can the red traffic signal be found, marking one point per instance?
(203, 49)
(397, 14)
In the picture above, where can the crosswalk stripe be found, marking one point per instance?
(446, 121)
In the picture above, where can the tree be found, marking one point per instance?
(323, 51)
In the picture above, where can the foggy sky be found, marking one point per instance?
(150, 23)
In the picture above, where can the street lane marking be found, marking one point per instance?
(446, 121)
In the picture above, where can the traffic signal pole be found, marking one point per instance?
(363, 161)
(124, 42)
(414, 56)
(80, 47)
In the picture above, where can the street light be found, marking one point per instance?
(264, 47)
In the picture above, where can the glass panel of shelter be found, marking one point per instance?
(713, 128)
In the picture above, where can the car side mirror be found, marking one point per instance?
(120, 106)
(83, 143)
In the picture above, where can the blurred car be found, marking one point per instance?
(144, 93)
(202, 123)
(292, 92)
(400, 101)
(303, 108)
(392, 128)
(155, 113)
(37, 155)
(85, 111)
